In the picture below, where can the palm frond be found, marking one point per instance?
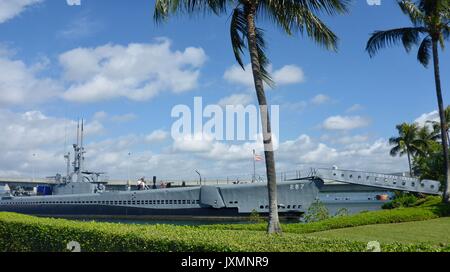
(412, 10)
(238, 31)
(330, 7)
(409, 36)
(394, 140)
(395, 151)
(164, 8)
(293, 17)
(424, 53)
(446, 32)
(318, 31)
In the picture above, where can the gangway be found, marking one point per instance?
(392, 182)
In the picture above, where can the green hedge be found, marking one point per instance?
(20, 233)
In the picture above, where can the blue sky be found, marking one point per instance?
(51, 77)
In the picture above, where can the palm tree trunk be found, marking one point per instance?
(274, 223)
(409, 162)
(437, 78)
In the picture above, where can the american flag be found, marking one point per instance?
(258, 158)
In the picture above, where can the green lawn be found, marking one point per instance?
(436, 232)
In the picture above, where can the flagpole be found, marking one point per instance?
(254, 166)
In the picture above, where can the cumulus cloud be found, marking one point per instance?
(427, 117)
(345, 122)
(236, 99)
(34, 129)
(138, 71)
(345, 139)
(157, 136)
(320, 99)
(287, 75)
(12, 8)
(199, 142)
(34, 132)
(22, 84)
(369, 156)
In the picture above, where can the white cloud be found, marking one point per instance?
(345, 122)
(124, 117)
(321, 154)
(235, 74)
(424, 118)
(306, 152)
(81, 27)
(100, 115)
(121, 118)
(320, 99)
(287, 75)
(22, 84)
(353, 139)
(236, 99)
(34, 129)
(354, 108)
(12, 8)
(193, 143)
(34, 132)
(137, 71)
(157, 136)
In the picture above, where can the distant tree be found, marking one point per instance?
(427, 137)
(292, 17)
(430, 28)
(431, 166)
(437, 125)
(407, 142)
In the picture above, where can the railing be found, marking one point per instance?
(392, 182)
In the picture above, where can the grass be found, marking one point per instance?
(436, 232)
(361, 219)
(425, 209)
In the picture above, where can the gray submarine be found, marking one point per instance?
(83, 193)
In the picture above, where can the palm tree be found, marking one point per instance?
(430, 28)
(407, 142)
(292, 16)
(427, 138)
(437, 125)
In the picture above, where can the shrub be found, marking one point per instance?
(316, 212)
(402, 201)
(20, 233)
(26, 233)
(255, 217)
(342, 212)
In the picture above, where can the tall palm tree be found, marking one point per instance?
(430, 29)
(293, 17)
(407, 142)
